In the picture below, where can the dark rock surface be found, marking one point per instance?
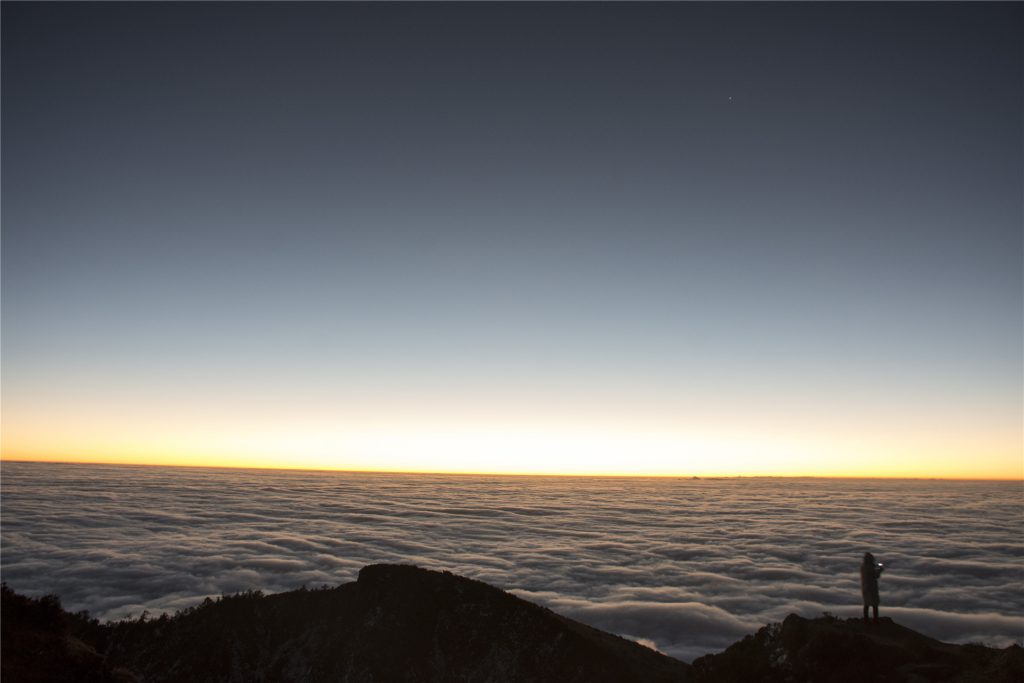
(829, 649)
(39, 641)
(396, 623)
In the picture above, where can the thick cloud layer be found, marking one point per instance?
(685, 566)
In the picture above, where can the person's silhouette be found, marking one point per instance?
(870, 570)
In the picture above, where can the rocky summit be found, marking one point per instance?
(828, 649)
(404, 624)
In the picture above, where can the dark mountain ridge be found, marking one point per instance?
(402, 623)
(834, 650)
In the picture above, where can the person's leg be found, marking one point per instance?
(874, 612)
(865, 612)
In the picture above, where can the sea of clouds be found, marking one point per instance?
(685, 566)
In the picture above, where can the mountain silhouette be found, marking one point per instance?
(403, 623)
(831, 650)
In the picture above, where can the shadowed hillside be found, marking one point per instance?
(402, 623)
(829, 649)
(396, 623)
(39, 641)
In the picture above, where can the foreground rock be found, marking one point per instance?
(39, 641)
(829, 649)
(396, 623)
(401, 623)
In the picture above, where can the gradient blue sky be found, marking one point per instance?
(698, 238)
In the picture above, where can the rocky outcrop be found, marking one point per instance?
(396, 623)
(41, 642)
(828, 649)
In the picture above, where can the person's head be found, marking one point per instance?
(869, 558)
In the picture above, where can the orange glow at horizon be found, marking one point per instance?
(531, 449)
(520, 434)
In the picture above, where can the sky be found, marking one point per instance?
(672, 238)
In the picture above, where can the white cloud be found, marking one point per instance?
(686, 567)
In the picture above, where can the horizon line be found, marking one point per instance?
(632, 475)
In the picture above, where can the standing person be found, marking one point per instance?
(870, 570)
